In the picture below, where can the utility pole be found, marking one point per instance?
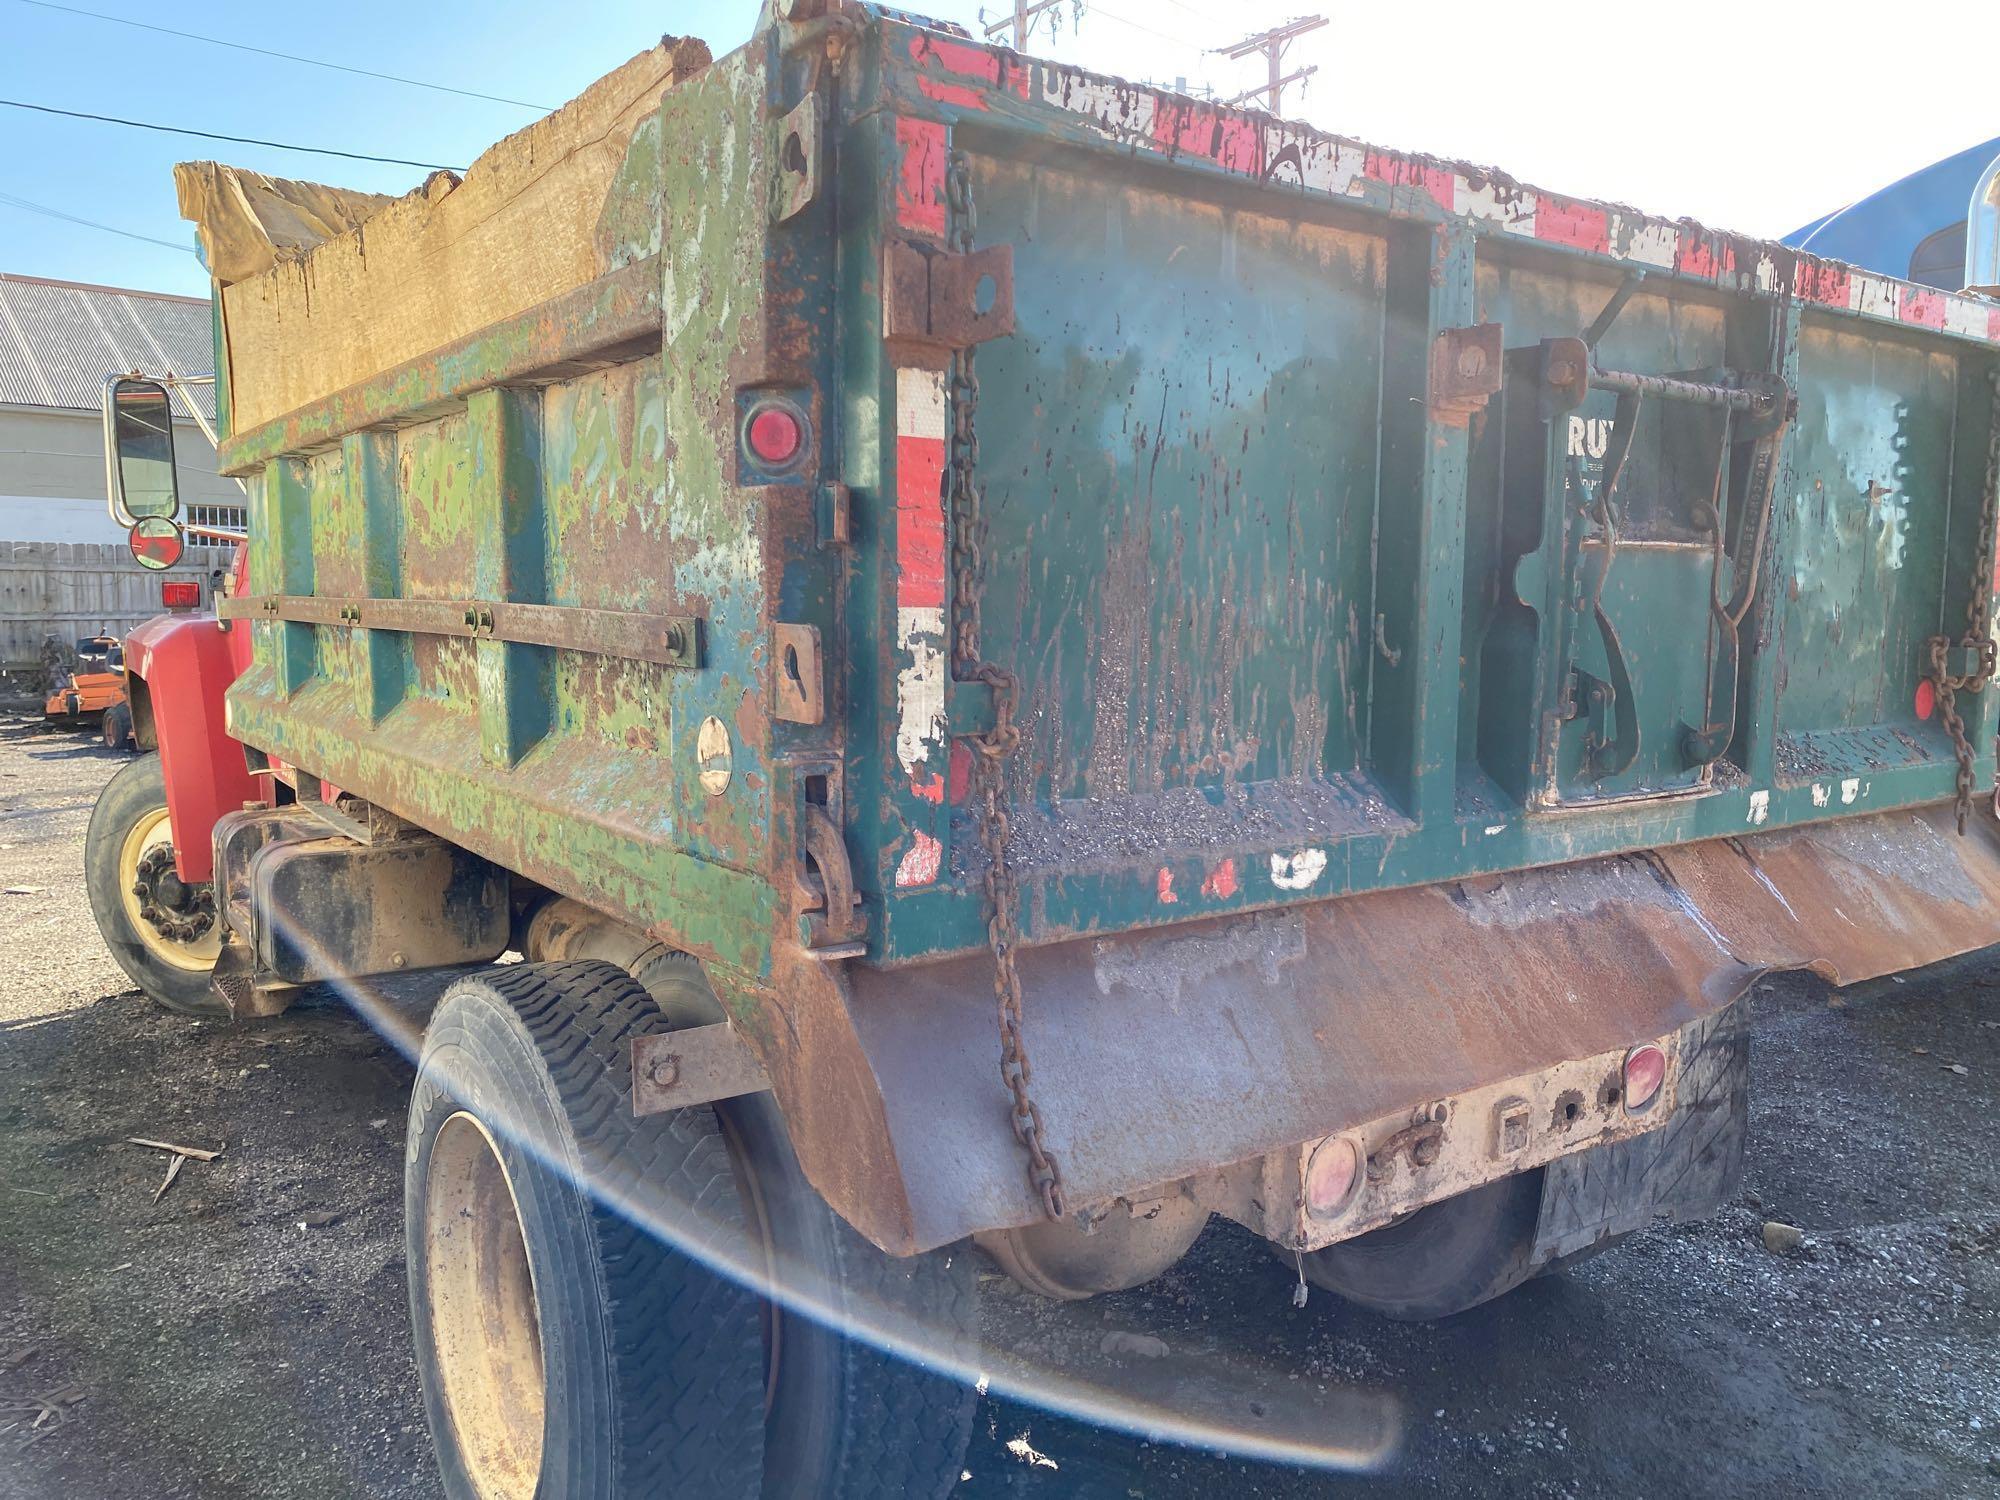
(1272, 44)
(1022, 21)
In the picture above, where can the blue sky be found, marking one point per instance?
(1786, 112)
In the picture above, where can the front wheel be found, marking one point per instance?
(588, 1288)
(1442, 1259)
(164, 933)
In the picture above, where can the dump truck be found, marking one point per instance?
(954, 659)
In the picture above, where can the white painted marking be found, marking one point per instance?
(1294, 872)
(1634, 237)
(1821, 794)
(1330, 167)
(1495, 828)
(920, 403)
(1589, 437)
(1121, 109)
(1963, 315)
(1513, 211)
(1760, 806)
(1874, 295)
(1849, 790)
(920, 686)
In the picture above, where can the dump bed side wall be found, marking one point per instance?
(580, 458)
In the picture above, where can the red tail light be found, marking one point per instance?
(1331, 1176)
(775, 435)
(1645, 1071)
(180, 593)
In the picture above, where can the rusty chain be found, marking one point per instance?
(991, 749)
(1977, 641)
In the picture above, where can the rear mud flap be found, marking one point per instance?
(1687, 1169)
(1165, 1053)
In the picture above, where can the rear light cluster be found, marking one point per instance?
(1645, 1072)
(180, 593)
(1336, 1169)
(1333, 1173)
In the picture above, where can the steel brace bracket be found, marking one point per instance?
(947, 299)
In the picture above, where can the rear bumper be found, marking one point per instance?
(1170, 1055)
(1571, 1111)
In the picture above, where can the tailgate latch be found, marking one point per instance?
(947, 299)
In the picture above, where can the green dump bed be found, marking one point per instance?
(1345, 519)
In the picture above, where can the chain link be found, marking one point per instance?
(1977, 641)
(990, 751)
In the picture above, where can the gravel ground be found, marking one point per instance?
(247, 1335)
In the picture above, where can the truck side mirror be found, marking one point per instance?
(139, 450)
(1982, 235)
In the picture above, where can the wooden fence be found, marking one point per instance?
(77, 589)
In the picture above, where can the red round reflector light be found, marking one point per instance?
(1645, 1071)
(1926, 703)
(1332, 1174)
(775, 435)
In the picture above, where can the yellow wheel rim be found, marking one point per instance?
(486, 1327)
(151, 832)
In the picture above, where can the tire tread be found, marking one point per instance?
(685, 1347)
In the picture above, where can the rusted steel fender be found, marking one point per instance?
(1162, 1053)
(177, 669)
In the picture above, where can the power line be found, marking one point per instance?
(1165, 36)
(56, 213)
(311, 62)
(1023, 18)
(241, 140)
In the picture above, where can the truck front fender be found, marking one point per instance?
(177, 668)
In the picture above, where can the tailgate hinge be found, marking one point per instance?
(947, 299)
(835, 924)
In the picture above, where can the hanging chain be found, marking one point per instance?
(991, 750)
(1977, 642)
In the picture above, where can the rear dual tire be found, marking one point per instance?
(578, 1276)
(1445, 1258)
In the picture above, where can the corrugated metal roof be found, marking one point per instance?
(59, 339)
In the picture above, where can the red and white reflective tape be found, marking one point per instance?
(921, 737)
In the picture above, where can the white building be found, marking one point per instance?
(64, 567)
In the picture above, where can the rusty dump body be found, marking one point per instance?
(1453, 630)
